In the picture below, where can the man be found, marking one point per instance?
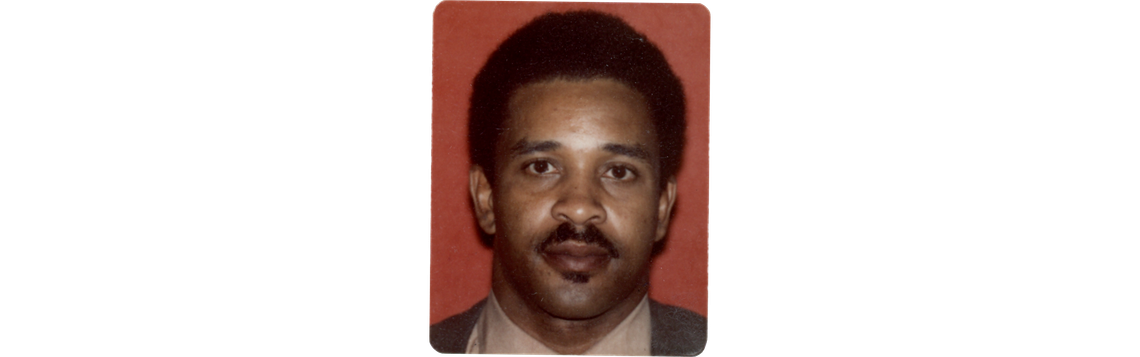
(576, 130)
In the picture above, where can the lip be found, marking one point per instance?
(576, 257)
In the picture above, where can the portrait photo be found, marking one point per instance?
(569, 205)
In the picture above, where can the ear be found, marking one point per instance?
(665, 207)
(481, 196)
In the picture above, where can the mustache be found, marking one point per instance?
(590, 235)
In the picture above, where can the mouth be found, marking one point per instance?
(576, 257)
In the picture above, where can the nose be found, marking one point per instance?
(579, 204)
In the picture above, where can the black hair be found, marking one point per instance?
(576, 45)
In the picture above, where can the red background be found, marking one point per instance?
(465, 34)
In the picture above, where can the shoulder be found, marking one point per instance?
(450, 335)
(676, 331)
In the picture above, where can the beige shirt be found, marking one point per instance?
(496, 333)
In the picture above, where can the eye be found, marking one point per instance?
(621, 173)
(540, 167)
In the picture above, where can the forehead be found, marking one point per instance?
(594, 111)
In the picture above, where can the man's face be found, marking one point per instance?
(577, 206)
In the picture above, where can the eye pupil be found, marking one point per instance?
(540, 167)
(619, 172)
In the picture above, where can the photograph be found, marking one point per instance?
(570, 178)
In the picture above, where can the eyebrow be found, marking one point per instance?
(525, 147)
(635, 151)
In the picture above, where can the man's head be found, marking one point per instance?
(576, 131)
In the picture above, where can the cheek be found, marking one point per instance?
(521, 216)
(635, 215)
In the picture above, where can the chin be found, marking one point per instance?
(578, 301)
(574, 303)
